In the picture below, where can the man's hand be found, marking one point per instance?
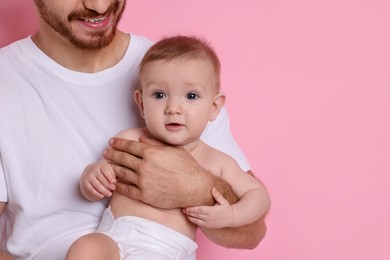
(160, 175)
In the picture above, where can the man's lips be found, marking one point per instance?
(96, 23)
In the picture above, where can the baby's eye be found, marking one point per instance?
(159, 95)
(192, 96)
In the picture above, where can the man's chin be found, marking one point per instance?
(95, 43)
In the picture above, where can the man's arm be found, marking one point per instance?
(244, 237)
(2, 206)
(5, 256)
(168, 177)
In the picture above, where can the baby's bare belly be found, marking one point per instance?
(172, 218)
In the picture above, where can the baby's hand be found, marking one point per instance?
(98, 181)
(218, 216)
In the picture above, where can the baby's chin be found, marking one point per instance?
(175, 141)
(172, 142)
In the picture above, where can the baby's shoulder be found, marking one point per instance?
(132, 133)
(215, 160)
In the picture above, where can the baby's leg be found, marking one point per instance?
(95, 246)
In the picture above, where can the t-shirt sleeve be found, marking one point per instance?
(218, 135)
(3, 185)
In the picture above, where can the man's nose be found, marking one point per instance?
(99, 6)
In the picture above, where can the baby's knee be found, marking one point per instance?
(93, 246)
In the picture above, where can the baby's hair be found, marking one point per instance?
(183, 47)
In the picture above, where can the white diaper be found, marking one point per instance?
(143, 239)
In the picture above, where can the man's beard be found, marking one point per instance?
(95, 40)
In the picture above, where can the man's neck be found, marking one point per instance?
(73, 58)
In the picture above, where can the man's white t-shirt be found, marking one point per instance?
(54, 122)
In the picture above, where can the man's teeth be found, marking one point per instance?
(95, 20)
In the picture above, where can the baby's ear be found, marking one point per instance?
(219, 101)
(139, 101)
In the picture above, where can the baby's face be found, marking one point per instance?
(178, 98)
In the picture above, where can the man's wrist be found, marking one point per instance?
(222, 187)
(199, 192)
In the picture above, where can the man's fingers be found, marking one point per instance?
(119, 157)
(129, 146)
(128, 190)
(125, 175)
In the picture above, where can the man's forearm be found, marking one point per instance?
(5, 256)
(244, 237)
(202, 194)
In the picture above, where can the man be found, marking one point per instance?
(65, 91)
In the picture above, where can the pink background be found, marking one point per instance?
(308, 86)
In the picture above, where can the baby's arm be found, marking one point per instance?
(98, 181)
(253, 202)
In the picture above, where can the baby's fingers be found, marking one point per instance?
(100, 188)
(103, 183)
(218, 197)
(108, 173)
(197, 212)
